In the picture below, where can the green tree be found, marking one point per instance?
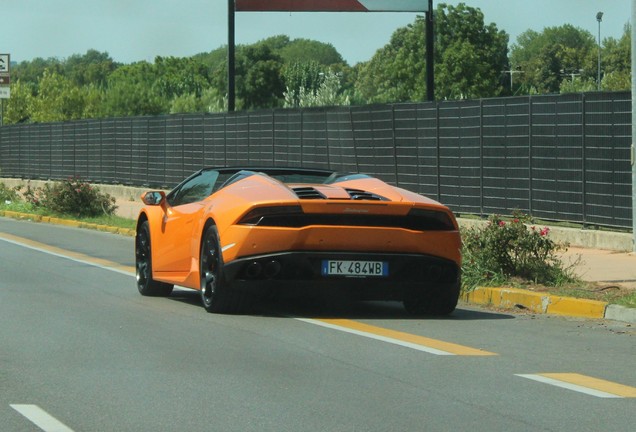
(306, 51)
(396, 73)
(616, 62)
(549, 57)
(30, 72)
(301, 77)
(57, 99)
(577, 85)
(131, 92)
(259, 81)
(327, 93)
(213, 101)
(92, 68)
(272, 62)
(469, 55)
(93, 101)
(180, 76)
(18, 107)
(186, 103)
(469, 58)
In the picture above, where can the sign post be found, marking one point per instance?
(5, 81)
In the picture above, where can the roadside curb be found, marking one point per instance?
(67, 222)
(543, 303)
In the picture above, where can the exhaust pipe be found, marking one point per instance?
(272, 269)
(253, 270)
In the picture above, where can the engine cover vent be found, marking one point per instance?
(357, 194)
(307, 193)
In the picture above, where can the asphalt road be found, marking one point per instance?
(81, 350)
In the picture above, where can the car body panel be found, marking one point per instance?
(331, 223)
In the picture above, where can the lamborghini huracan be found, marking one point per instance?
(235, 234)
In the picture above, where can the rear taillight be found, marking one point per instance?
(258, 215)
(432, 220)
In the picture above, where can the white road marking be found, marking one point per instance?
(377, 337)
(569, 386)
(41, 418)
(68, 257)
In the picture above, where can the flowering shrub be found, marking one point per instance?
(8, 194)
(502, 250)
(73, 197)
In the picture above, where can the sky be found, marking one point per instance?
(135, 30)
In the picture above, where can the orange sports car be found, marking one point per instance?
(235, 233)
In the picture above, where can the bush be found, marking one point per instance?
(72, 197)
(502, 250)
(8, 194)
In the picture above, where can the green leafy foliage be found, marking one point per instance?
(310, 85)
(305, 51)
(469, 54)
(471, 58)
(396, 73)
(616, 62)
(549, 57)
(501, 250)
(259, 81)
(301, 75)
(8, 194)
(71, 197)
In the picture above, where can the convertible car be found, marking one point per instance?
(237, 233)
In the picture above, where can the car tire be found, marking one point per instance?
(146, 285)
(437, 301)
(217, 294)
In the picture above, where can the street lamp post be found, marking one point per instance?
(599, 18)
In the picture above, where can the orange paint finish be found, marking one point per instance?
(176, 230)
(254, 240)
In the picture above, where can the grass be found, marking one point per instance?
(39, 212)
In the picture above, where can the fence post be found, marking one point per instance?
(530, 176)
(481, 157)
(583, 158)
(395, 158)
(439, 159)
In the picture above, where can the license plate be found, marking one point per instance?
(355, 268)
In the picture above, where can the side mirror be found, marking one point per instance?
(153, 198)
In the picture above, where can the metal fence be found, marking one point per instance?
(556, 157)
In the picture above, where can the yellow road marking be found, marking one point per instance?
(422, 343)
(66, 253)
(594, 383)
(584, 384)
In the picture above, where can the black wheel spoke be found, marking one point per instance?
(143, 265)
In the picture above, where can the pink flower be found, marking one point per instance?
(502, 223)
(545, 231)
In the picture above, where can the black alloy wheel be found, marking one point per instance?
(216, 294)
(146, 285)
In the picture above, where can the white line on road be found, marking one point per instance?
(82, 259)
(567, 385)
(41, 418)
